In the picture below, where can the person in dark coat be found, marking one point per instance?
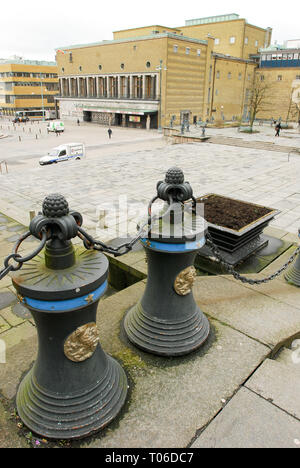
(278, 128)
(109, 132)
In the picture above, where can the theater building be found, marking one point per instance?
(146, 77)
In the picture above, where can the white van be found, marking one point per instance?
(64, 153)
(56, 126)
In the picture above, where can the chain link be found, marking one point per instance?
(230, 269)
(8, 267)
(92, 244)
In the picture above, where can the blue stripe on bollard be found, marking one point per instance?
(63, 306)
(164, 247)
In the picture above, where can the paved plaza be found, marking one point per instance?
(134, 160)
(241, 388)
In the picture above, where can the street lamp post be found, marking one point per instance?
(42, 97)
(160, 77)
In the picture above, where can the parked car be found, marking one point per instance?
(64, 153)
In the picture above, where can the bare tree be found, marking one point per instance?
(260, 97)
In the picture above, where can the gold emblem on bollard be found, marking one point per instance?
(185, 281)
(82, 343)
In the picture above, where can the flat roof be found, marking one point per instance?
(133, 39)
(146, 27)
(212, 19)
(15, 61)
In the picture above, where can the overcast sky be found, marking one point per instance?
(34, 28)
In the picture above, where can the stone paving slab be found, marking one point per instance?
(278, 384)
(8, 435)
(257, 315)
(290, 359)
(171, 399)
(249, 421)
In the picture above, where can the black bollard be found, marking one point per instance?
(74, 388)
(167, 320)
(292, 276)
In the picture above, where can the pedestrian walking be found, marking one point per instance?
(78, 122)
(278, 128)
(109, 132)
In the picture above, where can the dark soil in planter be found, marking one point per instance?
(230, 213)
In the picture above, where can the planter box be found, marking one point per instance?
(238, 244)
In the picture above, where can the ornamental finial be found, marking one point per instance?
(55, 206)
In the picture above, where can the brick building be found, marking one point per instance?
(146, 76)
(26, 85)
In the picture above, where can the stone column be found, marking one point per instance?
(108, 86)
(88, 85)
(70, 86)
(148, 122)
(97, 86)
(153, 87)
(119, 87)
(157, 93)
(144, 81)
(130, 86)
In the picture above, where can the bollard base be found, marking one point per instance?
(166, 337)
(72, 416)
(293, 274)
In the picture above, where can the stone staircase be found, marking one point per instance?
(262, 145)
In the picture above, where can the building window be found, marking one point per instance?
(80, 68)
(218, 74)
(187, 50)
(148, 64)
(229, 75)
(262, 77)
(232, 40)
(134, 47)
(256, 43)
(70, 57)
(246, 40)
(217, 41)
(122, 66)
(217, 92)
(297, 77)
(63, 70)
(199, 52)
(279, 78)
(100, 67)
(240, 76)
(175, 49)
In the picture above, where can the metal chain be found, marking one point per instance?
(242, 278)
(8, 267)
(92, 244)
